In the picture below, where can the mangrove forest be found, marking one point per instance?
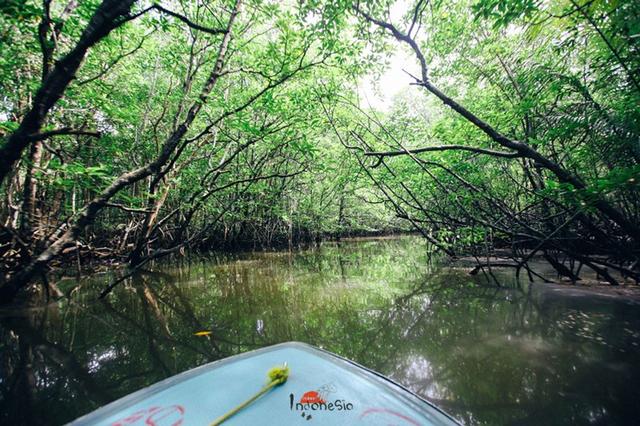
(403, 182)
(134, 131)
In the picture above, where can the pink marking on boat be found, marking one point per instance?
(369, 411)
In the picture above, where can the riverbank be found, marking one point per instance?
(500, 264)
(74, 266)
(590, 284)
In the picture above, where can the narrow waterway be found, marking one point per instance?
(517, 354)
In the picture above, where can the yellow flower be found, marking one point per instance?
(278, 374)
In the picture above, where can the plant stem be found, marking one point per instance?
(235, 410)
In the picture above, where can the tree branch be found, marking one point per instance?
(399, 36)
(526, 151)
(491, 152)
(113, 63)
(214, 31)
(63, 131)
(105, 19)
(127, 209)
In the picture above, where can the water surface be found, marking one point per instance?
(516, 354)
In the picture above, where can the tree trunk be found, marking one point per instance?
(106, 18)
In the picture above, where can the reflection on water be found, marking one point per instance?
(488, 355)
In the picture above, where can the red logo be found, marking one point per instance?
(312, 397)
(318, 401)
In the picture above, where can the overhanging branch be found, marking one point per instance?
(190, 23)
(491, 152)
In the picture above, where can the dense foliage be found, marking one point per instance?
(136, 130)
(522, 129)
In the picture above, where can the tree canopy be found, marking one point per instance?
(133, 130)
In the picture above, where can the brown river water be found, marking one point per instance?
(518, 354)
